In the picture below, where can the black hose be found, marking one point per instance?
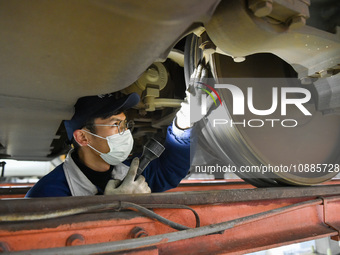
(153, 215)
(174, 206)
(119, 205)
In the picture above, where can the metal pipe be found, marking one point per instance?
(166, 102)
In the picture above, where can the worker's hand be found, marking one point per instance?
(129, 185)
(193, 99)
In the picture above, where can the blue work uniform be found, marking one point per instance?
(161, 174)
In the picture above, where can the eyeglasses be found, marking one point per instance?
(121, 126)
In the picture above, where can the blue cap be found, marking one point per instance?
(89, 107)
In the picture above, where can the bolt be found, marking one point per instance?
(297, 22)
(209, 51)
(261, 8)
(208, 47)
(239, 59)
(152, 74)
(75, 239)
(138, 232)
(322, 73)
(4, 247)
(306, 80)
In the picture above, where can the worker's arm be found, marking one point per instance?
(173, 165)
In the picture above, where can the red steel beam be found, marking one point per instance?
(105, 228)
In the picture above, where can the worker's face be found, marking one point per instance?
(104, 131)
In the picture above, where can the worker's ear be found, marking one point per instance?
(80, 137)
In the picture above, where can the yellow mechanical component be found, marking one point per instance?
(156, 74)
(150, 97)
(149, 85)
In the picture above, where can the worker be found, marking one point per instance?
(103, 141)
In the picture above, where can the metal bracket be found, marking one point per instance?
(152, 102)
(324, 202)
(293, 13)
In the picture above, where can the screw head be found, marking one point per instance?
(297, 22)
(138, 232)
(262, 8)
(75, 239)
(152, 74)
(239, 59)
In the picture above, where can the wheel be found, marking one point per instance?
(303, 155)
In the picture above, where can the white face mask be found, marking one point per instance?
(120, 147)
